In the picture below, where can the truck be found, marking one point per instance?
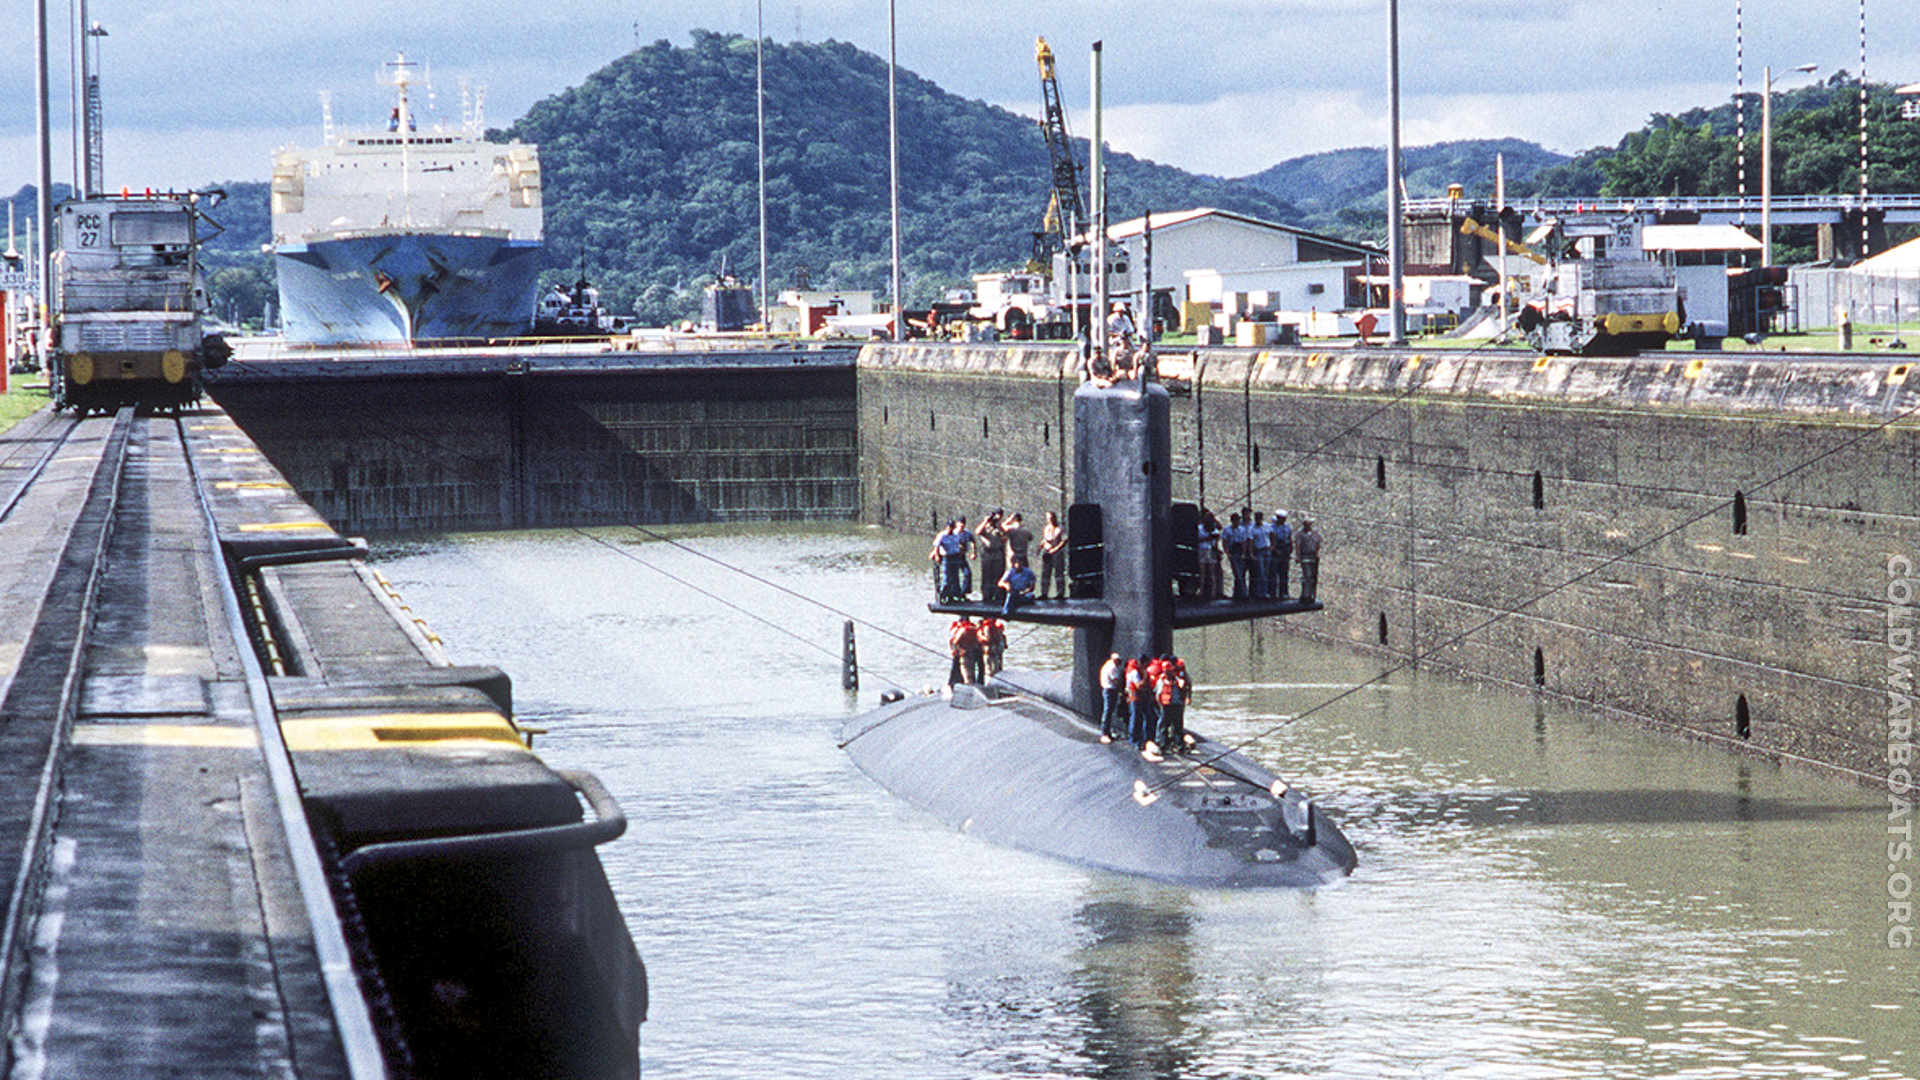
(1021, 305)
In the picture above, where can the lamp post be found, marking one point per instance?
(1396, 256)
(893, 172)
(43, 124)
(1766, 161)
(760, 121)
(94, 179)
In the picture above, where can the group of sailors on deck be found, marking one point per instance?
(1154, 693)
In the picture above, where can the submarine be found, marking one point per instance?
(1019, 760)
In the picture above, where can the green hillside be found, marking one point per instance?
(650, 174)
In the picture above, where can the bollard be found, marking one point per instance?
(849, 663)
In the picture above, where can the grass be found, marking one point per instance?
(20, 401)
(1867, 341)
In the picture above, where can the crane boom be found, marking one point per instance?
(1066, 210)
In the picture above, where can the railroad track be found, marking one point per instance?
(150, 799)
(179, 633)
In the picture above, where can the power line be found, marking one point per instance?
(446, 452)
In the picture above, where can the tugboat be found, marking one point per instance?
(1020, 761)
(576, 312)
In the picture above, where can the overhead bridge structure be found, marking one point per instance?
(1842, 221)
(1716, 209)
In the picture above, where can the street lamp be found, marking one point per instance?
(1396, 255)
(1766, 162)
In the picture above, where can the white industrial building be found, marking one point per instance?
(1211, 240)
(1702, 256)
(1303, 287)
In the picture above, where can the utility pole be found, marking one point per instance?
(893, 172)
(1396, 257)
(43, 122)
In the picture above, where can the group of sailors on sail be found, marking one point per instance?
(1003, 543)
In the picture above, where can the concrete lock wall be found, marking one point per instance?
(1568, 523)
(532, 451)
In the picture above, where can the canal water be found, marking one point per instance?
(1542, 892)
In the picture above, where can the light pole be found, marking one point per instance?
(893, 171)
(95, 178)
(1396, 257)
(760, 121)
(43, 124)
(1766, 161)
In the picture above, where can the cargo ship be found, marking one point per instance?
(398, 235)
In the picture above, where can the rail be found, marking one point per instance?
(353, 1023)
(91, 534)
(26, 479)
(1901, 204)
(608, 824)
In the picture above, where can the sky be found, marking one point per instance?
(200, 92)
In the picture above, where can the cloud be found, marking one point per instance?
(1220, 86)
(1240, 134)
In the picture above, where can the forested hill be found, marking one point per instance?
(1345, 191)
(1816, 148)
(650, 173)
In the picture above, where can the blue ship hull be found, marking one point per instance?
(406, 287)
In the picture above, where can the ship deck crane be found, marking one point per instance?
(1066, 210)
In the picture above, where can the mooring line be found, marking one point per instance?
(395, 435)
(1456, 639)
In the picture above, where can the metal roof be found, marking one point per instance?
(1904, 257)
(1126, 229)
(1697, 238)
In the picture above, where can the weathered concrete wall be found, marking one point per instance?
(1503, 515)
(530, 451)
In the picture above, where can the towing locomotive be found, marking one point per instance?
(1597, 293)
(129, 303)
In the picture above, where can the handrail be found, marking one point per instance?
(608, 824)
(1751, 203)
(352, 1020)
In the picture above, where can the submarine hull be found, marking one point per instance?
(1024, 771)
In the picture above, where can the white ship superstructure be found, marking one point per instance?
(402, 234)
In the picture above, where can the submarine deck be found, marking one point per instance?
(1014, 765)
